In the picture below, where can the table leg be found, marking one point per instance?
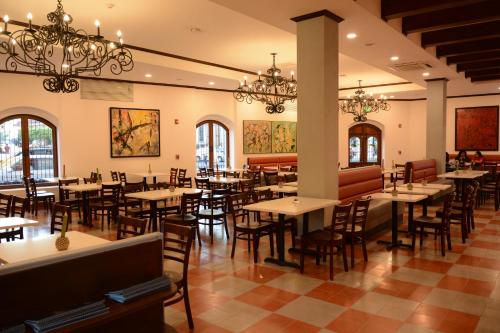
(280, 244)
(153, 218)
(394, 241)
(145, 180)
(85, 202)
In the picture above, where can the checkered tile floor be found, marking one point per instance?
(396, 291)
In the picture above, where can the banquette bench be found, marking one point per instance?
(37, 288)
(358, 182)
(425, 168)
(272, 161)
(487, 158)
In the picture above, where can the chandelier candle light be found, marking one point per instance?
(61, 51)
(271, 89)
(361, 104)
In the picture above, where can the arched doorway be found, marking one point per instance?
(365, 145)
(212, 144)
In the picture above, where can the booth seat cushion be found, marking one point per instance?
(419, 169)
(357, 182)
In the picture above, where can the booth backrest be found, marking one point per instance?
(490, 158)
(419, 169)
(356, 182)
(35, 289)
(272, 161)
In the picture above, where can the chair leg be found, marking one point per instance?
(464, 230)
(318, 254)
(225, 227)
(331, 261)
(413, 236)
(442, 242)
(302, 250)
(187, 305)
(198, 234)
(211, 230)
(233, 249)
(421, 236)
(352, 250)
(255, 247)
(448, 237)
(344, 257)
(293, 228)
(363, 245)
(271, 242)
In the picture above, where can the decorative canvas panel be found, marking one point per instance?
(256, 137)
(284, 137)
(134, 132)
(476, 128)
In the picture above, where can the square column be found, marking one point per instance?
(436, 122)
(317, 109)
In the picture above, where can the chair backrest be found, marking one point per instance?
(210, 172)
(233, 174)
(340, 218)
(360, 213)
(262, 195)
(111, 192)
(236, 203)
(182, 173)
(270, 177)
(173, 174)
(19, 206)
(468, 199)
(130, 227)
(177, 242)
(255, 175)
(447, 207)
(203, 172)
(123, 177)
(26, 182)
(218, 198)
(87, 180)
(246, 185)
(33, 188)
(159, 186)
(131, 187)
(66, 194)
(93, 176)
(5, 203)
(57, 214)
(293, 168)
(290, 178)
(190, 203)
(114, 176)
(202, 183)
(185, 182)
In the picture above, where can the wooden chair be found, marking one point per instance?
(70, 198)
(357, 229)
(215, 213)
(203, 172)
(399, 175)
(133, 207)
(5, 204)
(271, 177)
(185, 182)
(45, 197)
(441, 225)
(256, 176)
(182, 173)
(246, 186)
(108, 202)
(331, 238)
(202, 183)
(492, 189)
(115, 176)
(233, 174)
(57, 215)
(244, 228)
(123, 177)
(188, 215)
(173, 176)
(210, 172)
(18, 208)
(290, 178)
(177, 242)
(293, 168)
(460, 210)
(129, 227)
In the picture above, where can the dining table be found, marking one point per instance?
(146, 175)
(17, 222)
(281, 190)
(159, 195)
(292, 206)
(462, 178)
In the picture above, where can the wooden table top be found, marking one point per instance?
(277, 189)
(158, 195)
(401, 197)
(292, 205)
(416, 190)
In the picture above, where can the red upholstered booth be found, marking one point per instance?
(419, 169)
(488, 158)
(357, 182)
(272, 161)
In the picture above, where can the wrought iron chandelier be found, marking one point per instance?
(272, 89)
(361, 104)
(61, 51)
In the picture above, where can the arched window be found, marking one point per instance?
(365, 145)
(28, 147)
(212, 144)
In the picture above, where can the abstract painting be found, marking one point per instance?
(256, 137)
(134, 132)
(284, 137)
(476, 128)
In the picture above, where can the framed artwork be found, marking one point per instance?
(134, 132)
(476, 128)
(256, 137)
(284, 137)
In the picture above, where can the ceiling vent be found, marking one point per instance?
(410, 66)
(106, 90)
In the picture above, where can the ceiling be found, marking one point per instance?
(241, 34)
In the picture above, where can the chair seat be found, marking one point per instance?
(175, 277)
(428, 220)
(253, 226)
(180, 218)
(322, 235)
(206, 213)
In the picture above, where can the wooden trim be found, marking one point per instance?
(376, 85)
(319, 13)
(210, 123)
(437, 79)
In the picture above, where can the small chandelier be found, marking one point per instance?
(361, 104)
(272, 89)
(61, 51)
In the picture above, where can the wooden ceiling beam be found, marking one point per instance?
(480, 65)
(473, 58)
(461, 34)
(485, 78)
(482, 72)
(450, 18)
(392, 9)
(491, 44)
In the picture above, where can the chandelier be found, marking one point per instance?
(61, 51)
(361, 104)
(272, 89)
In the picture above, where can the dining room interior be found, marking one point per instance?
(236, 166)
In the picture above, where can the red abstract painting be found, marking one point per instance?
(476, 128)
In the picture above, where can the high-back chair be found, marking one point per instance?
(129, 227)
(177, 242)
(133, 207)
(57, 215)
(215, 213)
(69, 198)
(188, 215)
(123, 177)
(202, 183)
(173, 176)
(329, 239)
(18, 208)
(357, 228)
(182, 173)
(45, 197)
(108, 202)
(202, 172)
(5, 203)
(185, 182)
(271, 177)
(115, 176)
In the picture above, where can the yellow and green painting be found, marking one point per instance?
(256, 137)
(134, 132)
(284, 137)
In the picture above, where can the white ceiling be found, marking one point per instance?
(241, 34)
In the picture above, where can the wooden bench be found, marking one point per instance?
(37, 288)
(272, 161)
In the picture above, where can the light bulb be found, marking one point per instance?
(1, 29)
(112, 45)
(97, 23)
(13, 41)
(93, 47)
(6, 18)
(65, 66)
(292, 73)
(66, 18)
(29, 16)
(121, 41)
(119, 33)
(70, 49)
(275, 73)
(259, 72)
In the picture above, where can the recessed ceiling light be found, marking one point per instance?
(211, 83)
(426, 73)
(394, 58)
(351, 35)
(498, 88)
(392, 96)
(148, 75)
